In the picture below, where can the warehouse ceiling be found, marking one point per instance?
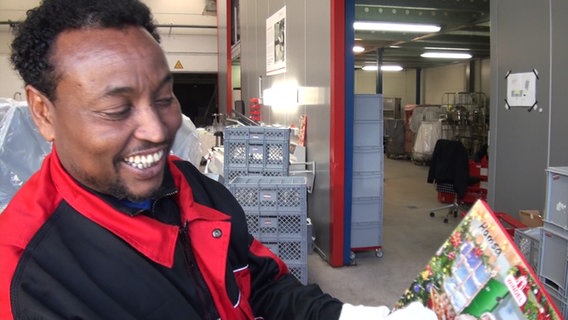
(464, 24)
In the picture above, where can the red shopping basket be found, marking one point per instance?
(509, 223)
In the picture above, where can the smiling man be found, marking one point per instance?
(112, 226)
(112, 116)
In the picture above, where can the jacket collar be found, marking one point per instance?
(150, 237)
(168, 188)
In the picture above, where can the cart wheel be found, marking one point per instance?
(379, 253)
(445, 220)
(432, 214)
(352, 257)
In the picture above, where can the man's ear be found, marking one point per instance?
(42, 112)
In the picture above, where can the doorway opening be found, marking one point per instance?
(197, 95)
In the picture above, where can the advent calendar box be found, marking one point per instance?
(479, 273)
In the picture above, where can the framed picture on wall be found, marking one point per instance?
(276, 43)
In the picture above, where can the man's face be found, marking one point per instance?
(115, 115)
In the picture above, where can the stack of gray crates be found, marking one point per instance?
(276, 211)
(256, 171)
(553, 266)
(367, 178)
(255, 151)
(528, 240)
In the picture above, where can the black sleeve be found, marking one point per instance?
(287, 298)
(272, 297)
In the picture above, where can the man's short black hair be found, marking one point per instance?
(32, 45)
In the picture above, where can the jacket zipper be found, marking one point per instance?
(168, 194)
(210, 312)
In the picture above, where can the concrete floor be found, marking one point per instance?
(410, 238)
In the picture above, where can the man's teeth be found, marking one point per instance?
(143, 162)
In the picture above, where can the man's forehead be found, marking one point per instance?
(106, 46)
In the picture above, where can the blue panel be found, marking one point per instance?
(349, 118)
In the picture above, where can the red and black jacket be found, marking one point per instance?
(70, 253)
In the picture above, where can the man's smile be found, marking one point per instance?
(144, 161)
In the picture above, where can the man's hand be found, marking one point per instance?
(413, 311)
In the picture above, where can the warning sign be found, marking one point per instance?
(178, 65)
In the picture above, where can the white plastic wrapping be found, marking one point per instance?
(22, 148)
(428, 134)
(187, 144)
(424, 113)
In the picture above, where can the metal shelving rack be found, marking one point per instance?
(466, 118)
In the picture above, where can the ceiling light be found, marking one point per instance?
(391, 68)
(446, 55)
(401, 27)
(446, 49)
(358, 49)
(373, 67)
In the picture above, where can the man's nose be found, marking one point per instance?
(151, 126)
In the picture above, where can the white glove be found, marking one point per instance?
(413, 311)
(359, 312)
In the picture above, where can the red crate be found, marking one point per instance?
(472, 194)
(445, 197)
(478, 169)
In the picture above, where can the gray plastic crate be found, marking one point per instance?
(367, 184)
(368, 134)
(257, 193)
(299, 270)
(256, 134)
(556, 206)
(367, 159)
(367, 209)
(554, 261)
(231, 173)
(274, 227)
(366, 234)
(560, 301)
(528, 240)
(368, 107)
(252, 150)
(270, 155)
(291, 251)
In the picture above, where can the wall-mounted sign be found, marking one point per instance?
(276, 43)
(178, 65)
(521, 89)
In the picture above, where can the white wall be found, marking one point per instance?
(165, 11)
(435, 82)
(395, 84)
(365, 82)
(195, 53)
(191, 49)
(10, 82)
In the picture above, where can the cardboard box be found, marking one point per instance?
(531, 218)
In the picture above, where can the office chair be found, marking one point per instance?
(449, 170)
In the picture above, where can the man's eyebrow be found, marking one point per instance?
(116, 91)
(166, 80)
